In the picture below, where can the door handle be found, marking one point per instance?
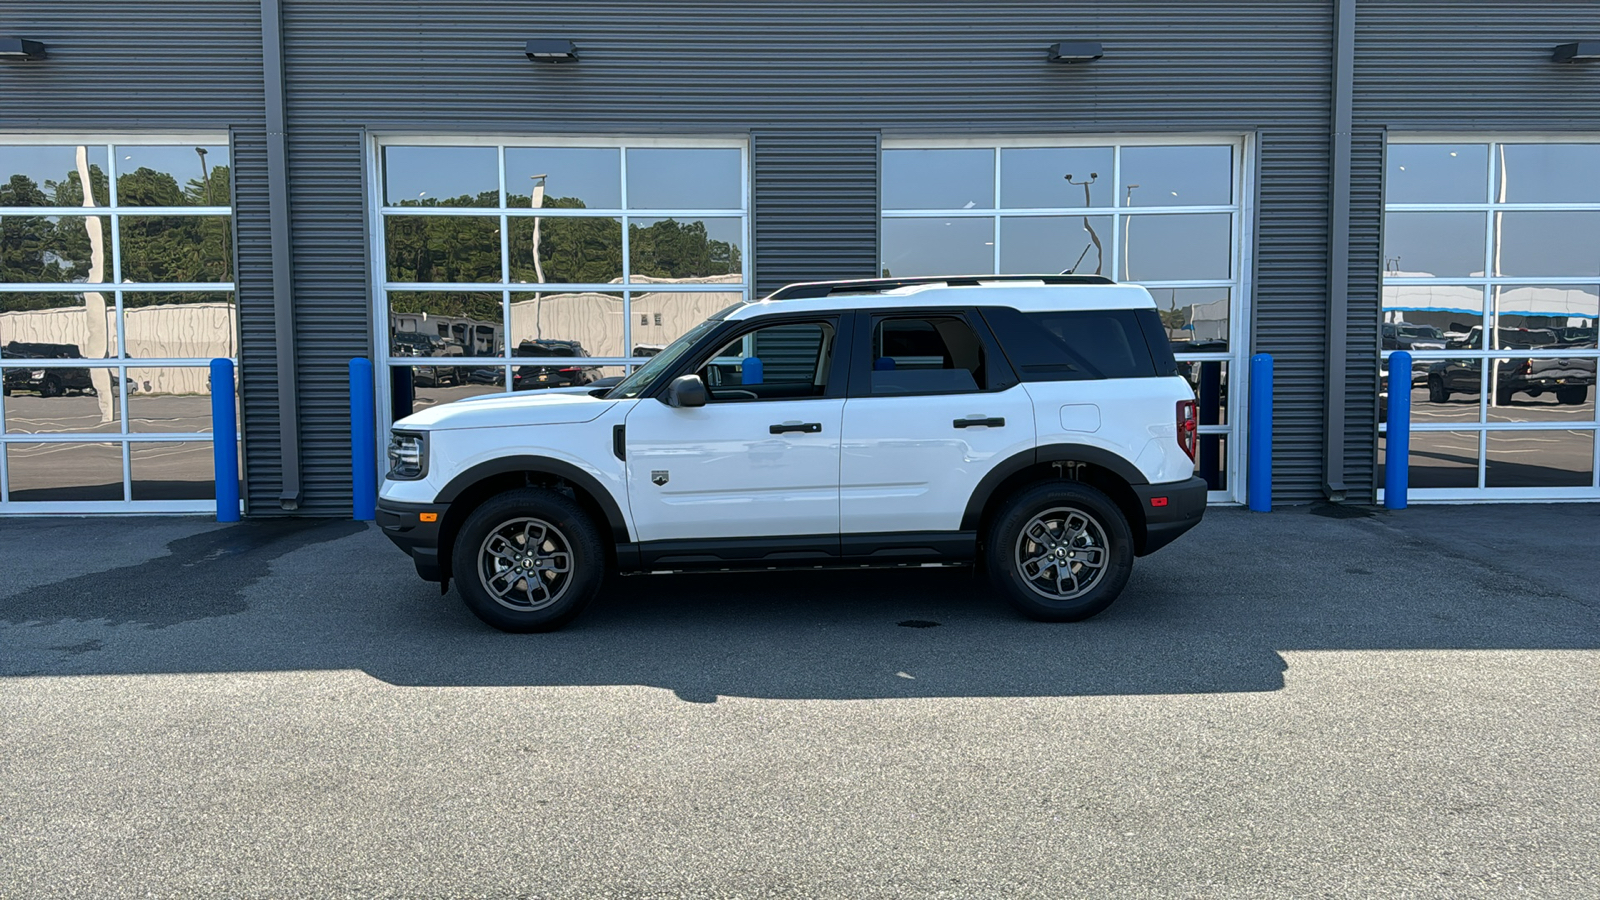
(995, 422)
(803, 427)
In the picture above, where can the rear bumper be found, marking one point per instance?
(1164, 522)
(404, 524)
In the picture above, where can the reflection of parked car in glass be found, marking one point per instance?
(1569, 378)
(416, 344)
(527, 378)
(51, 382)
(1409, 336)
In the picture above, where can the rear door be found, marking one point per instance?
(933, 406)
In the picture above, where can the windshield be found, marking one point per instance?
(634, 384)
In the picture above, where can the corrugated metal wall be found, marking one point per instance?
(1463, 66)
(814, 84)
(814, 201)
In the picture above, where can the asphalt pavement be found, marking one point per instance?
(1307, 703)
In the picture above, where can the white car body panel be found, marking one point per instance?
(727, 475)
(1135, 418)
(906, 467)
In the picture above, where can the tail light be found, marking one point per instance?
(1188, 427)
(568, 370)
(1527, 367)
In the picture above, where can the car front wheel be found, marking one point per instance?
(1437, 392)
(528, 560)
(1061, 551)
(1572, 396)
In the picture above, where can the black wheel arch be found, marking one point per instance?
(1111, 474)
(471, 488)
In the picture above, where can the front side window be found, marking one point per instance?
(779, 362)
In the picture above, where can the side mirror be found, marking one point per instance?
(686, 392)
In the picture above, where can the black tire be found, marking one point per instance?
(1437, 392)
(1089, 522)
(553, 523)
(50, 387)
(1572, 396)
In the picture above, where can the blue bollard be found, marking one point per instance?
(1259, 484)
(1397, 449)
(225, 440)
(363, 442)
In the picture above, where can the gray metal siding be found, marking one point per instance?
(814, 204)
(810, 80)
(258, 358)
(1473, 66)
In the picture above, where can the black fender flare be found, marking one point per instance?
(545, 466)
(1049, 453)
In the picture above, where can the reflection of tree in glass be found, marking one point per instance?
(36, 249)
(572, 250)
(673, 249)
(453, 304)
(173, 248)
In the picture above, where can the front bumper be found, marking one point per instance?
(410, 527)
(1185, 503)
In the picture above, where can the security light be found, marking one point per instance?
(552, 51)
(1075, 52)
(21, 48)
(1580, 51)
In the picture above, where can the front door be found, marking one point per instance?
(761, 458)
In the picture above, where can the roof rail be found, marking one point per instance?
(812, 289)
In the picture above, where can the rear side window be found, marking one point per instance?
(1081, 345)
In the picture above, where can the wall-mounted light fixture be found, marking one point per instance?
(1579, 51)
(21, 48)
(550, 50)
(1076, 52)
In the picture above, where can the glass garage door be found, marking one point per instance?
(549, 263)
(1165, 213)
(1492, 283)
(116, 291)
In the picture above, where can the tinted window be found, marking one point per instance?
(1079, 345)
(940, 354)
(779, 362)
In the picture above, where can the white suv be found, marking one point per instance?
(1034, 425)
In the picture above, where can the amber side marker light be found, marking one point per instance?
(428, 517)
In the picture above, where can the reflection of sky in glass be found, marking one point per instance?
(1552, 173)
(938, 246)
(47, 163)
(1436, 173)
(660, 178)
(1177, 176)
(1556, 244)
(591, 174)
(1035, 177)
(1439, 244)
(418, 174)
(181, 162)
(938, 179)
(1036, 245)
(1180, 247)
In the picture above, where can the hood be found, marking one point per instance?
(541, 408)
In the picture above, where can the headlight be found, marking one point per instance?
(408, 456)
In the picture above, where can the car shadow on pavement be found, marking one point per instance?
(1212, 613)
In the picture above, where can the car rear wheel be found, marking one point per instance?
(1572, 396)
(1061, 551)
(1437, 392)
(528, 560)
(50, 387)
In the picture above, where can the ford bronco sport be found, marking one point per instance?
(1033, 425)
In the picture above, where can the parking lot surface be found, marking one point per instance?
(1304, 703)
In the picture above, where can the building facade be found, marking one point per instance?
(291, 184)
